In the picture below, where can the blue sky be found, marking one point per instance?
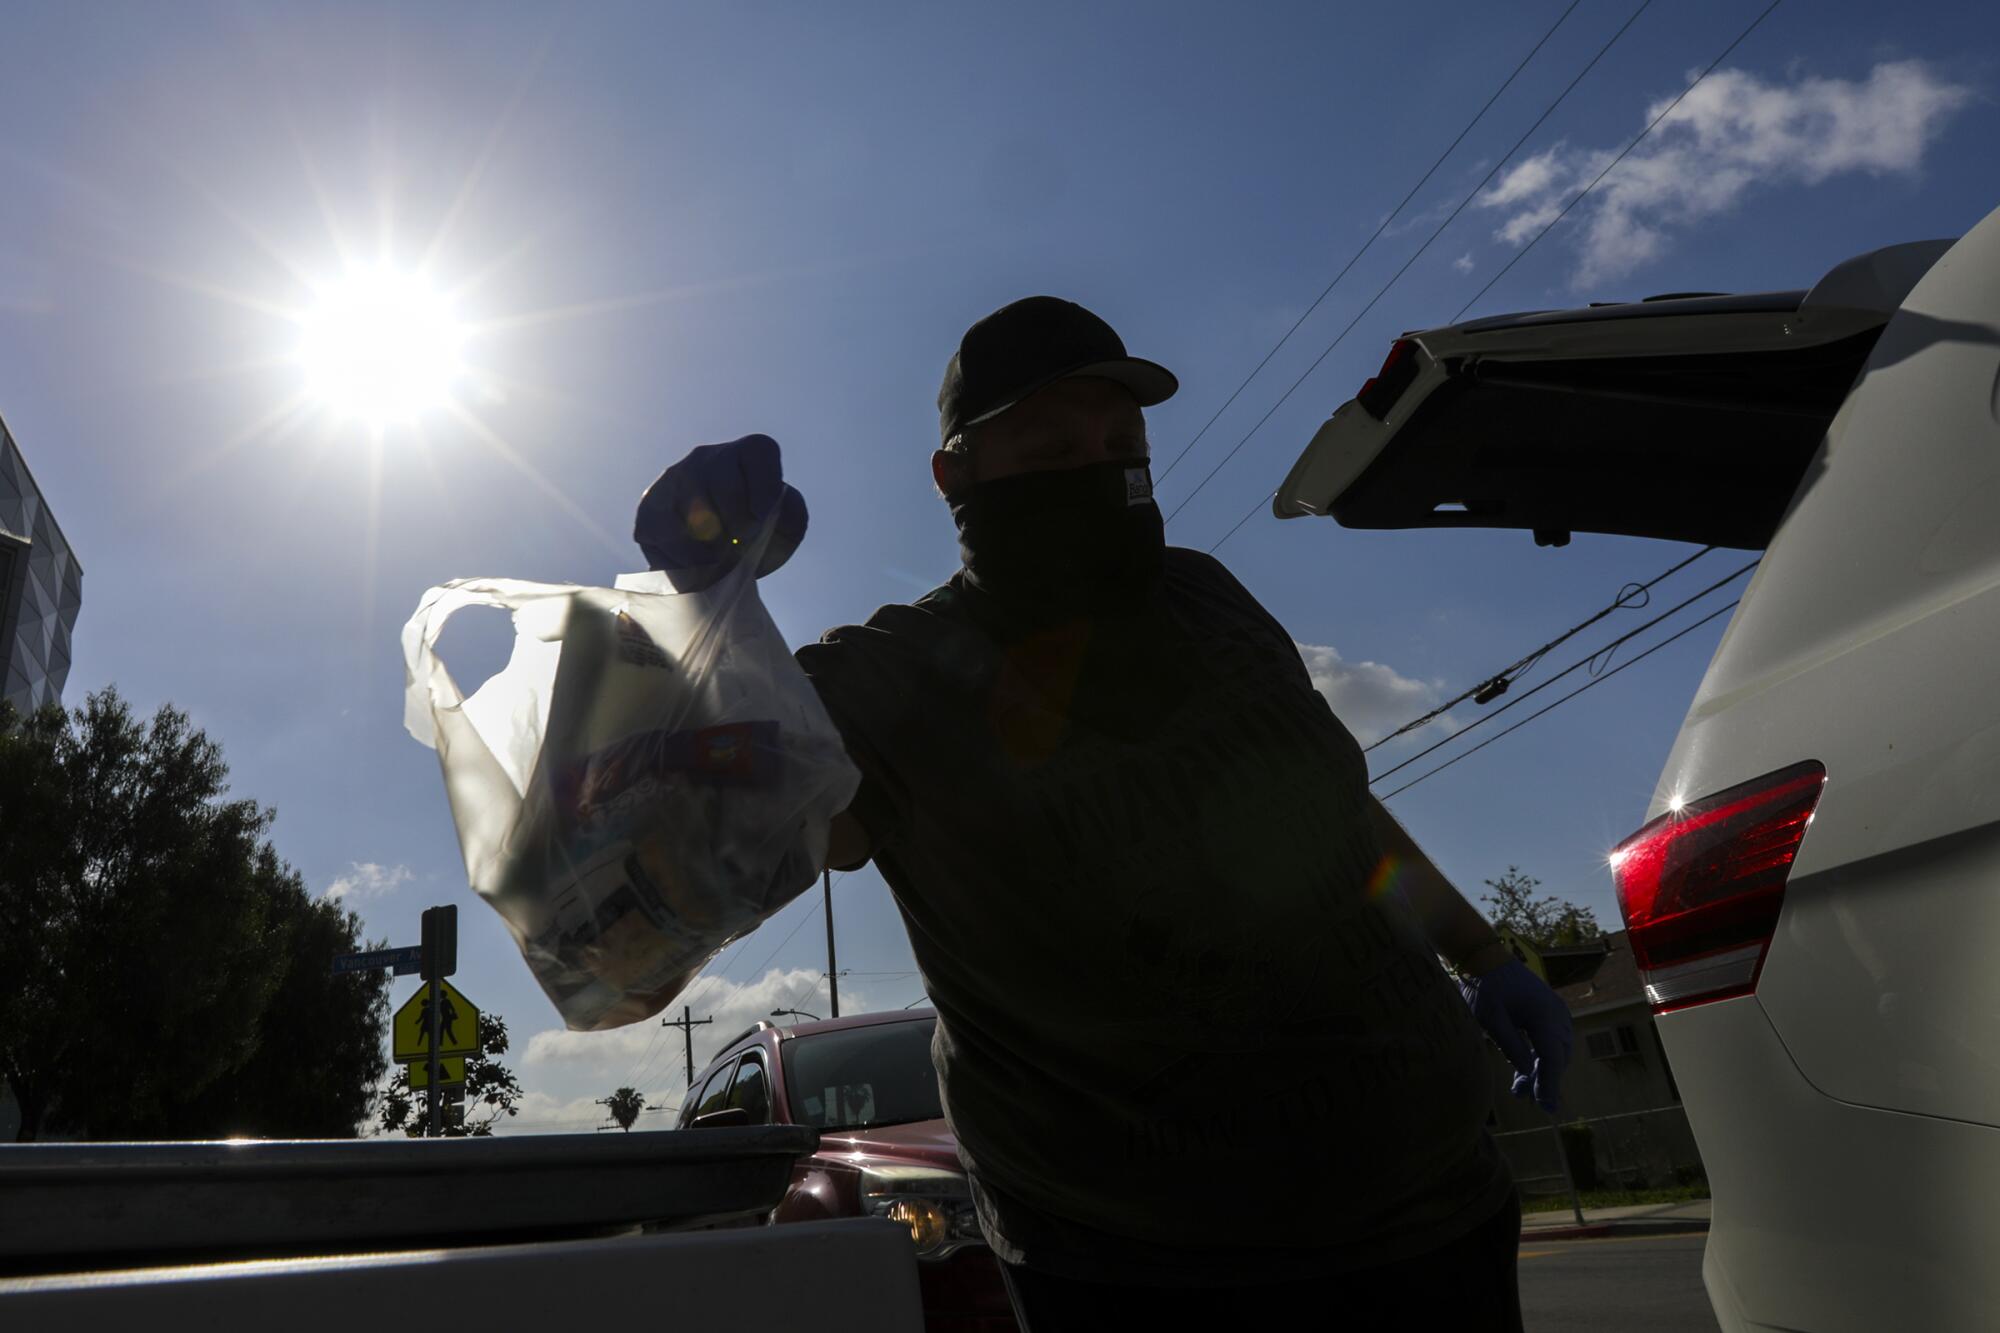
(669, 225)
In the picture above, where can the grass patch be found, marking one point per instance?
(1545, 1203)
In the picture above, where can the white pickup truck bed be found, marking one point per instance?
(527, 1232)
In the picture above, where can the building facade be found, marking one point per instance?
(41, 588)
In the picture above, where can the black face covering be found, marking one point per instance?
(1086, 539)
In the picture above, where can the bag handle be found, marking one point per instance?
(427, 685)
(485, 795)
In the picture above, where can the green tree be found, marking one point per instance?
(491, 1091)
(316, 1068)
(625, 1105)
(161, 968)
(1547, 923)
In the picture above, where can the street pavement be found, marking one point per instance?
(1637, 1270)
(1638, 1219)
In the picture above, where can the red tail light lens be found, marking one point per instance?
(1700, 887)
(1399, 370)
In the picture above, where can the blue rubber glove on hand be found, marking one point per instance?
(706, 511)
(1529, 1023)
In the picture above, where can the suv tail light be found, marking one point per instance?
(1700, 887)
(1381, 390)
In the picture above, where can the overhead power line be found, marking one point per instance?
(1572, 668)
(1419, 253)
(1377, 235)
(1589, 684)
(1503, 678)
(1522, 252)
(797, 926)
(811, 986)
(642, 1067)
(1241, 521)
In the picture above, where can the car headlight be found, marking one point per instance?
(935, 1205)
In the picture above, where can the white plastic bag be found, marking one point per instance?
(649, 777)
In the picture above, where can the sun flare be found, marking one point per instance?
(381, 346)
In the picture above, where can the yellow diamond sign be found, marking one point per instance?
(458, 1024)
(451, 1069)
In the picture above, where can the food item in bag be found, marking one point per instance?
(630, 850)
(681, 792)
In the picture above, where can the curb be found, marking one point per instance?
(1665, 1226)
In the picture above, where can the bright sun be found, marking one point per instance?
(381, 346)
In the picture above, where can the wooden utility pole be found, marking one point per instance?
(832, 968)
(687, 1023)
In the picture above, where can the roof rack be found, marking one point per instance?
(759, 1026)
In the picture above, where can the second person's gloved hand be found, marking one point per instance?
(1529, 1023)
(705, 512)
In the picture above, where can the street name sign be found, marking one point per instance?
(405, 961)
(458, 1032)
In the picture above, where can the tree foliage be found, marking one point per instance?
(315, 1020)
(625, 1105)
(163, 973)
(1547, 923)
(491, 1091)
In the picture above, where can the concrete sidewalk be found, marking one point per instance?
(1646, 1219)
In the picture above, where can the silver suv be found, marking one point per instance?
(1812, 899)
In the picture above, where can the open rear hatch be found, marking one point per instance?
(1686, 418)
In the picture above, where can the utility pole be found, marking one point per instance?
(832, 969)
(687, 1023)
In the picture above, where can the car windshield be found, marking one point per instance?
(851, 1079)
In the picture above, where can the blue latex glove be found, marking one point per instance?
(1529, 1023)
(706, 511)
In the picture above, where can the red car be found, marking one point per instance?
(868, 1085)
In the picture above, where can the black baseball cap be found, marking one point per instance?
(1029, 345)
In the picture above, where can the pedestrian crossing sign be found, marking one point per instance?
(458, 1029)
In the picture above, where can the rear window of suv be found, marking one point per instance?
(857, 1077)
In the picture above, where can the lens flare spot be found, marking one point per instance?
(703, 524)
(1388, 876)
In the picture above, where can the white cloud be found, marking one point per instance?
(539, 1113)
(1428, 216)
(568, 1070)
(613, 1050)
(1733, 132)
(1463, 263)
(365, 879)
(1370, 698)
(1525, 180)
